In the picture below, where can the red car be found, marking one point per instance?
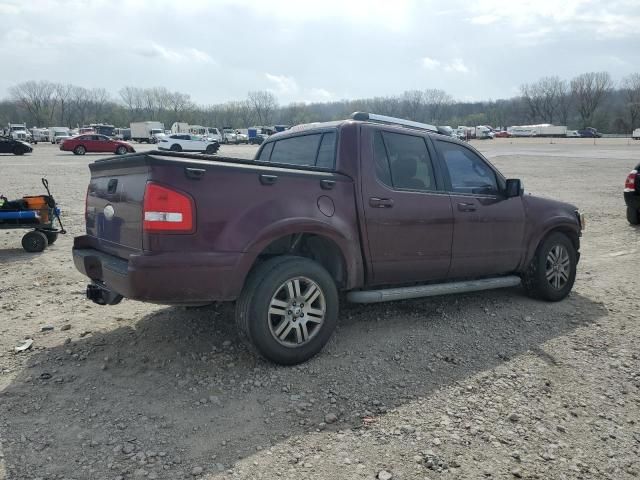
(502, 134)
(82, 144)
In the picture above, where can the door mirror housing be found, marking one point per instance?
(513, 188)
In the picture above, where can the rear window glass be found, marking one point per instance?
(296, 150)
(266, 152)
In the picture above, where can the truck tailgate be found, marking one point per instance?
(114, 207)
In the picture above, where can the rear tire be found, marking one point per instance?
(176, 148)
(34, 242)
(279, 325)
(552, 272)
(633, 216)
(80, 150)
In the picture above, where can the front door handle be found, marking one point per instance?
(381, 202)
(268, 179)
(467, 207)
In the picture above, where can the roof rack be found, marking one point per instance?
(374, 117)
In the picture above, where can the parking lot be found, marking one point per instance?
(485, 385)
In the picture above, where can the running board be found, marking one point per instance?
(419, 291)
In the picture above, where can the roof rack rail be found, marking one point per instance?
(374, 117)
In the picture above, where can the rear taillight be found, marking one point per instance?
(630, 182)
(166, 210)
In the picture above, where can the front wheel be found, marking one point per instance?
(633, 216)
(34, 242)
(288, 309)
(18, 151)
(211, 149)
(175, 148)
(121, 150)
(552, 271)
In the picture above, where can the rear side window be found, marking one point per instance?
(296, 150)
(265, 154)
(403, 161)
(327, 151)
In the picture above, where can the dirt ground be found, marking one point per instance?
(487, 385)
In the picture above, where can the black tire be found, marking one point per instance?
(175, 148)
(34, 242)
(18, 151)
(252, 308)
(51, 237)
(535, 280)
(211, 149)
(80, 150)
(633, 216)
(121, 150)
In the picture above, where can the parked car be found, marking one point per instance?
(242, 137)
(589, 132)
(184, 142)
(376, 207)
(95, 143)
(501, 134)
(632, 196)
(58, 134)
(11, 145)
(229, 136)
(573, 134)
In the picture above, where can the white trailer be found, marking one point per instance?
(58, 134)
(541, 130)
(636, 134)
(145, 131)
(180, 127)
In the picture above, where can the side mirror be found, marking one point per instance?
(514, 188)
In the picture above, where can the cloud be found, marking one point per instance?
(287, 88)
(429, 63)
(457, 66)
(283, 85)
(154, 50)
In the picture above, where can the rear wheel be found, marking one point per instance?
(34, 242)
(633, 216)
(552, 271)
(121, 150)
(80, 150)
(288, 309)
(175, 148)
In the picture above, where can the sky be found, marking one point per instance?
(308, 51)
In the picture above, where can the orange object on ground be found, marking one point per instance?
(37, 202)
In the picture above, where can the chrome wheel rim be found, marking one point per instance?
(558, 267)
(296, 312)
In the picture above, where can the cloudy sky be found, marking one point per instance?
(315, 50)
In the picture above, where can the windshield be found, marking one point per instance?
(156, 130)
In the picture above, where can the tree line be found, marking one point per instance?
(589, 99)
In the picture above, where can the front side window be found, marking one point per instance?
(403, 162)
(467, 171)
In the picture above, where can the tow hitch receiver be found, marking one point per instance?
(102, 296)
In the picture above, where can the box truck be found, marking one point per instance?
(145, 131)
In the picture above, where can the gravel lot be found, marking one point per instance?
(487, 385)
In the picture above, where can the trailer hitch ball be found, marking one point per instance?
(102, 295)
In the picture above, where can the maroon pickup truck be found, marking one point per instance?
(376, 207)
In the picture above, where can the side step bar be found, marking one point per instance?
(419, 291)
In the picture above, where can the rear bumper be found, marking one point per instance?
(166, 278)
(632, 199)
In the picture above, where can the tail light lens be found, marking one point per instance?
(166, 210)
(630, 182)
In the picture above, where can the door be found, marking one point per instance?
(488, 227)
(408, 217)
(6, 145)
(102, 144)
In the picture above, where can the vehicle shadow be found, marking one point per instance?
(178, 388)
(17, 255)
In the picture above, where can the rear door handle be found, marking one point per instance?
(327, 184)
(467, 207)
(381, 202)
(268, 179)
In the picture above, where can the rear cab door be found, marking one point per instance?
(488, 229)
(408, 215)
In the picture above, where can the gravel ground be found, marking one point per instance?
(487, 385)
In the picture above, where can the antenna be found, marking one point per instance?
(374, 117)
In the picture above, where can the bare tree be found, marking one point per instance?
(550, 89)
(98, 98)
(178, 102)
(631, 91)
(588, 90)
(263, 104)
(38, 98)
(63, 93)
(413, 105)
(81, 100)
(532, 97)
(133, 100)
(564, 102)
(436, 101)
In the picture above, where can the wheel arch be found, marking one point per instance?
(570, 230)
